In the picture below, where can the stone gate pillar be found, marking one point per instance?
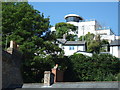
(47, 78)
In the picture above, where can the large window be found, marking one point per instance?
(73, 19)
(71, 47)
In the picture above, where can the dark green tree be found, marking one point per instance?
(25, 25)
(99, 67)
(64, 28)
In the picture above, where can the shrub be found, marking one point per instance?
(99, 67)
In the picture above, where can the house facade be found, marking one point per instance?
(83, 27)
(71, 47)
(92, 26)
(115, 48)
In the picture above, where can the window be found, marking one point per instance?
(118, 47)
(71, 47)
(74, 19)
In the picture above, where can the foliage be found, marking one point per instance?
(88, 37)
(93, 46)
(71, 37)
(25, 25)
(99, 67)
(64, 28)
(94, 43)
(107, 65)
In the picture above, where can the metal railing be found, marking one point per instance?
(103, 28)
(87, 20)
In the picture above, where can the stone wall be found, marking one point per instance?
(11, 73)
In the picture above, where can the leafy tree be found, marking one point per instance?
(88, 37)
(25, 25)
(93, 46)
(64, 28)
(97, 45)
(99, 67)
(94, 43)
(71, 37)
(105, 67)
(80, 66)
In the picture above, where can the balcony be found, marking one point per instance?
(103, 28)
(87, 20)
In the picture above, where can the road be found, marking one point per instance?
(109, 84)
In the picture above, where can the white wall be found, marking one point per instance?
(85, 27)
(115, 51)
(117, 37)
(85, 53)
(90, 26)
(71, 52)
(105, 32)
(108, 37)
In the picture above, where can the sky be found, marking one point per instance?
(106, 13)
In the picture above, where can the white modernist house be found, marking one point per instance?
(85, 26)
(115, 48)
(92, 26)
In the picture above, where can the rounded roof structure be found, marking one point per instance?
(73, 15)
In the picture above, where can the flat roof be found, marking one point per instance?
(115, 43)
(65, 42)
(75, 43)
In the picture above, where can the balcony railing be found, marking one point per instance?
(87, 20)
(103, 28)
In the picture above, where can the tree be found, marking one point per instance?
(88, 37)
(105, 67)
(64, 28)
(99, 67)
(71, 37)
(97, 45)
(93, 46)
(25, 25)
(94, 43)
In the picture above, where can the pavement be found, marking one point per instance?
(110, 84)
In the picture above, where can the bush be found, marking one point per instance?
(78, 69)
(99, 67)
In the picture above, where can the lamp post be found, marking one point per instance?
(83, 33)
